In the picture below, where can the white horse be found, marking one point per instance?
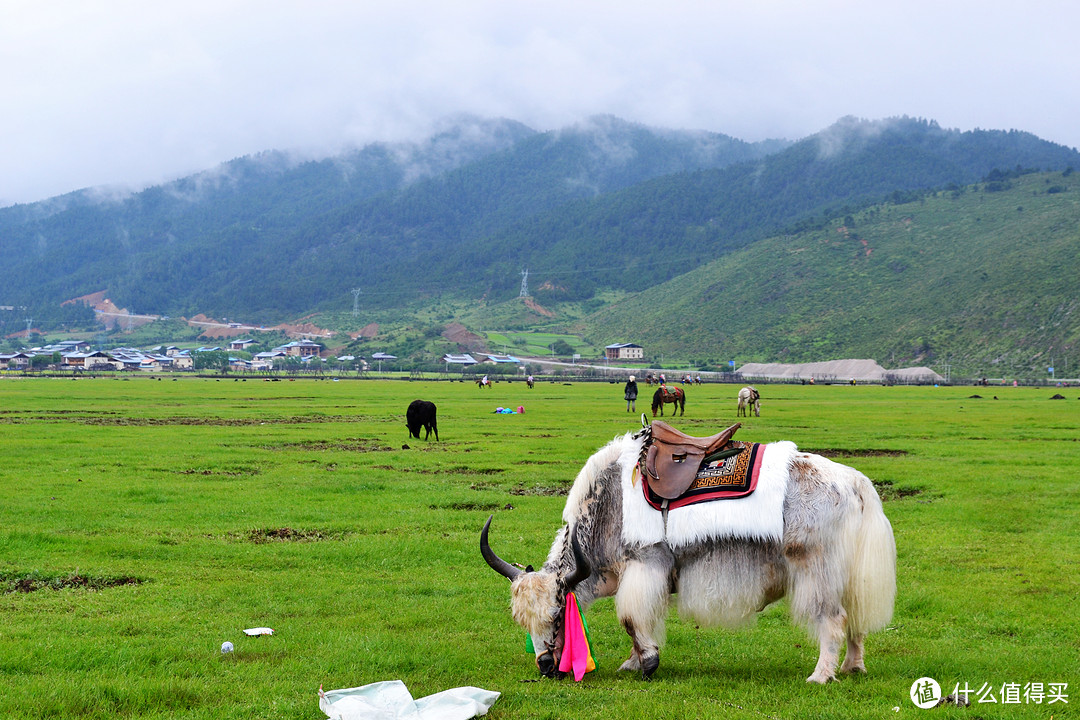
(813, 530)
(749, 397)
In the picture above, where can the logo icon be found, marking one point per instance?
(925, 692)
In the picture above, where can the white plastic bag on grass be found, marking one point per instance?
(391, 700)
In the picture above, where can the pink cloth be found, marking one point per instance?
(575, 654)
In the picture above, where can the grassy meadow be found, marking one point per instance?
(537, 344)
(144, 522)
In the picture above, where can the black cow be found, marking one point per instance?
(421, 414)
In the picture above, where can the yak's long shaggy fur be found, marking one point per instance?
(534, 600)
(831, 553)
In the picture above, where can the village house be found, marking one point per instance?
(133, 361)
(265, 360)
(270, 355)
(464, 359)
(300, 348)
(15, 361)
(241, 344)
(502, 360)
(624, 351)
(182, 361)
(88, 360)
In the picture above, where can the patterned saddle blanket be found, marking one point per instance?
(669, 394)
(727, 474)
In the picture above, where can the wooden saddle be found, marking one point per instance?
(673, 457)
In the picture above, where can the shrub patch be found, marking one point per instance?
(236, 472)
(23, 582)
(540, 490)
(486, 507)
(849, 453)
(347, 444)
(288, 534)
(887, 491)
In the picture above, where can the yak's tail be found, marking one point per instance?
(871, 586)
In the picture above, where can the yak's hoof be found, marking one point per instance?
(649, 665)
(820, 678)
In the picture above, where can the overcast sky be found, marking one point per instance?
(136, 92)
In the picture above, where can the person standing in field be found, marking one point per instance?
(630, 393)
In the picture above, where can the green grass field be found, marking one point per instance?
(199, 508)
(537, 344)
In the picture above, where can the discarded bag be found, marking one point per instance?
(391, 700)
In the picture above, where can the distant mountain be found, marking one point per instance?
(267, 236)
(656, 230)
(168, 247)
(468, 233)
(982, 278)
(602, 205)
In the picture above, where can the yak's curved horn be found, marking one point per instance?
(497, 564)
(581, 563)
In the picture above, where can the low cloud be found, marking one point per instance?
(131, 93)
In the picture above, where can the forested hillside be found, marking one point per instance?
(167, 248)
(982, 278)
(266, 237)
(659, 229)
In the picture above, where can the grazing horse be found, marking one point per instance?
(812, 530)
(749, 397)
(664, 394)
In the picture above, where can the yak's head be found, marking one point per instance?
(538, 598)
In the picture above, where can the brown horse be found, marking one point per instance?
(664, 394)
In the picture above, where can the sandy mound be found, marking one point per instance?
(539, 310)
(467, 341)
(842, 370)
(93, 299)
(303, 329)
(368, 331)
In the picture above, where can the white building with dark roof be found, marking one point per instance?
(624, 351)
